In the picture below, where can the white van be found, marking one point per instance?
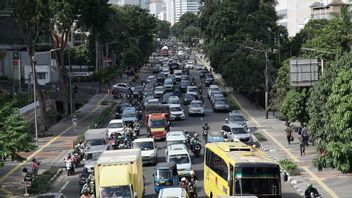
(173, 192)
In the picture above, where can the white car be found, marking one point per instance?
(173, 192)
(182, 160)
(176, 112)
(174, 100)
(159, 91)
(189, 65)
(175, 137)
(148, 149)
(121, 87)
(192, 90)
(213, 88)
(199, 67)
(115, 126)
(151, 79)
(169, 84)
(196, 107)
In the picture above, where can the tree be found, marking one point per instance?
(14, 136)
(187, 28)
(163, 29)
(34, 20)
(281, 86)
(65, 12)
(295, 104)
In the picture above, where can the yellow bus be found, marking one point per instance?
(234, 168)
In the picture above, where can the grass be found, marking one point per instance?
(97, 122)
(260, 137)
(41, 183)
(289, 166)
(232, 103)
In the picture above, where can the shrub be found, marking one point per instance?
(232, 103)
(260, 137)
(289, 166)
(41, 183)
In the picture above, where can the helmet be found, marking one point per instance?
(195, 135)
(309, 185)
(183, 179)
(185, 131)
(192, 173)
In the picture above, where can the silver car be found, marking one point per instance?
(196, 107)
(236, 132)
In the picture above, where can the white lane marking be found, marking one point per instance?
(64, 186)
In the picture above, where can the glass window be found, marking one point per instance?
(236, 118)
(157, 123)
(179, 159)
(144, 145)
(95, 142)
(121, 192)
(115, 125)
(239, 131)
(41, 75)
(163, 173)
(257, 186)
(217, 164)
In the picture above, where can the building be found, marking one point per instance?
(141, 3)
(156, 7)
(176, 8)
(295, 14)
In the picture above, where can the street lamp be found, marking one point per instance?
(34, 90)
(265, 75)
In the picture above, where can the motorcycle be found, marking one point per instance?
(192, 192)
(196, 148)
(69, 167)
(76, 160)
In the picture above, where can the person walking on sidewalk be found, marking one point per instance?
(304, 135)
(302, 145)
(74, 122)
(288, 130)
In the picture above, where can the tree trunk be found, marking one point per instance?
(64, 81)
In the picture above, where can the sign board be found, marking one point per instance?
(303, 72)
(15, 56)
(26, 183)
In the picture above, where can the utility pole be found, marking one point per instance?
(69, 63)
(35, 100)
(266, 85)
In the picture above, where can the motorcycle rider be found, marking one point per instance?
(192, 184)
(184, 183)
(69, 160)
(194, 140)
(311, 191)
(205, 130)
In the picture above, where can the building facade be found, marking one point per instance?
(176, 8)
(141, 3)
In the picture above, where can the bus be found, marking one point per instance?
(234, 168)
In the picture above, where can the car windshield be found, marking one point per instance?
(193, 89)
(157, 123)
(93, 156)
(196, 104)
(163, 173)
(115, 125)
(238, 131)
(96, 142)
(129, 115)
(118, 192)
(236, 118)
(174, 101)
(190, 96)
(179, 159)
(159, 88)
(144, 145)
(220, 102)
(175, 109)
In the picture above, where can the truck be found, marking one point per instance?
(119, 173)
(157, 120)
(164, 51)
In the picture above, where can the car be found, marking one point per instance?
(184, 84)
(213, 88)
(217, 97)
(173, 65)
(166, 97)
(236, 132)
(121, 87)
(196, 107)
(189, 65)
(137, 89)
(202, 73)
(159, 91)
(221, 105)
(175, 137)
(199, 67)
(177, 91)
(160, 78)
(151, 79)
(180, 53)
(215, 136)
(120, 107)
(174, 192)
(165, 70)
(155, 70)
(236, 117)
(168, 84)
(174, 100)
(185, 77)
(129, 116)
(192, 89)
(209, 81)
(185, 71)
(152, 101)
(182, 159)
(189, 97)
(176, 112)
(56, 195)
(115, 126)
(148, 150)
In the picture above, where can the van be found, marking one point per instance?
(96, 137)
(173, 192)
(182, 160)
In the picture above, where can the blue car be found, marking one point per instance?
(215, 136)
(129, 116)
(165, 175)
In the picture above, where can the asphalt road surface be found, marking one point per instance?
(69, 185)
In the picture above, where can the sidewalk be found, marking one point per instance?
(330, 183)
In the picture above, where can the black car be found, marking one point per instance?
(189, 97)
(203, 73)
(177, 91)
(209, 81)
(166, 97)
(183, 85)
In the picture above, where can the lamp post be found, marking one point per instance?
(34, 77)
(266, 103)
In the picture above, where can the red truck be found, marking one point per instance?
(157, 120)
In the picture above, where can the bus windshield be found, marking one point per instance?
(157, 123)
(257, 180)
(118, 191)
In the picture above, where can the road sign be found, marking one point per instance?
(26, 183)
(303, 72)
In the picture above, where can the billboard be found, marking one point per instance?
(303, 72)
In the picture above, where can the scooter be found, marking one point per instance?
(69, 167)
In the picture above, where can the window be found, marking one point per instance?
(41, 75)
(217, 164)
(225, 128)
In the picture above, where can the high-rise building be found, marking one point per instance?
(156, 7)
(142, 3)
(176, 8)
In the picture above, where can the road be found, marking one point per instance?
(70, 187)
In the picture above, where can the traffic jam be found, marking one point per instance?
(156, 142)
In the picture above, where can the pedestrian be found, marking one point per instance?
(302, 146)
(304, 135)
(74, 122)
(288, 130)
